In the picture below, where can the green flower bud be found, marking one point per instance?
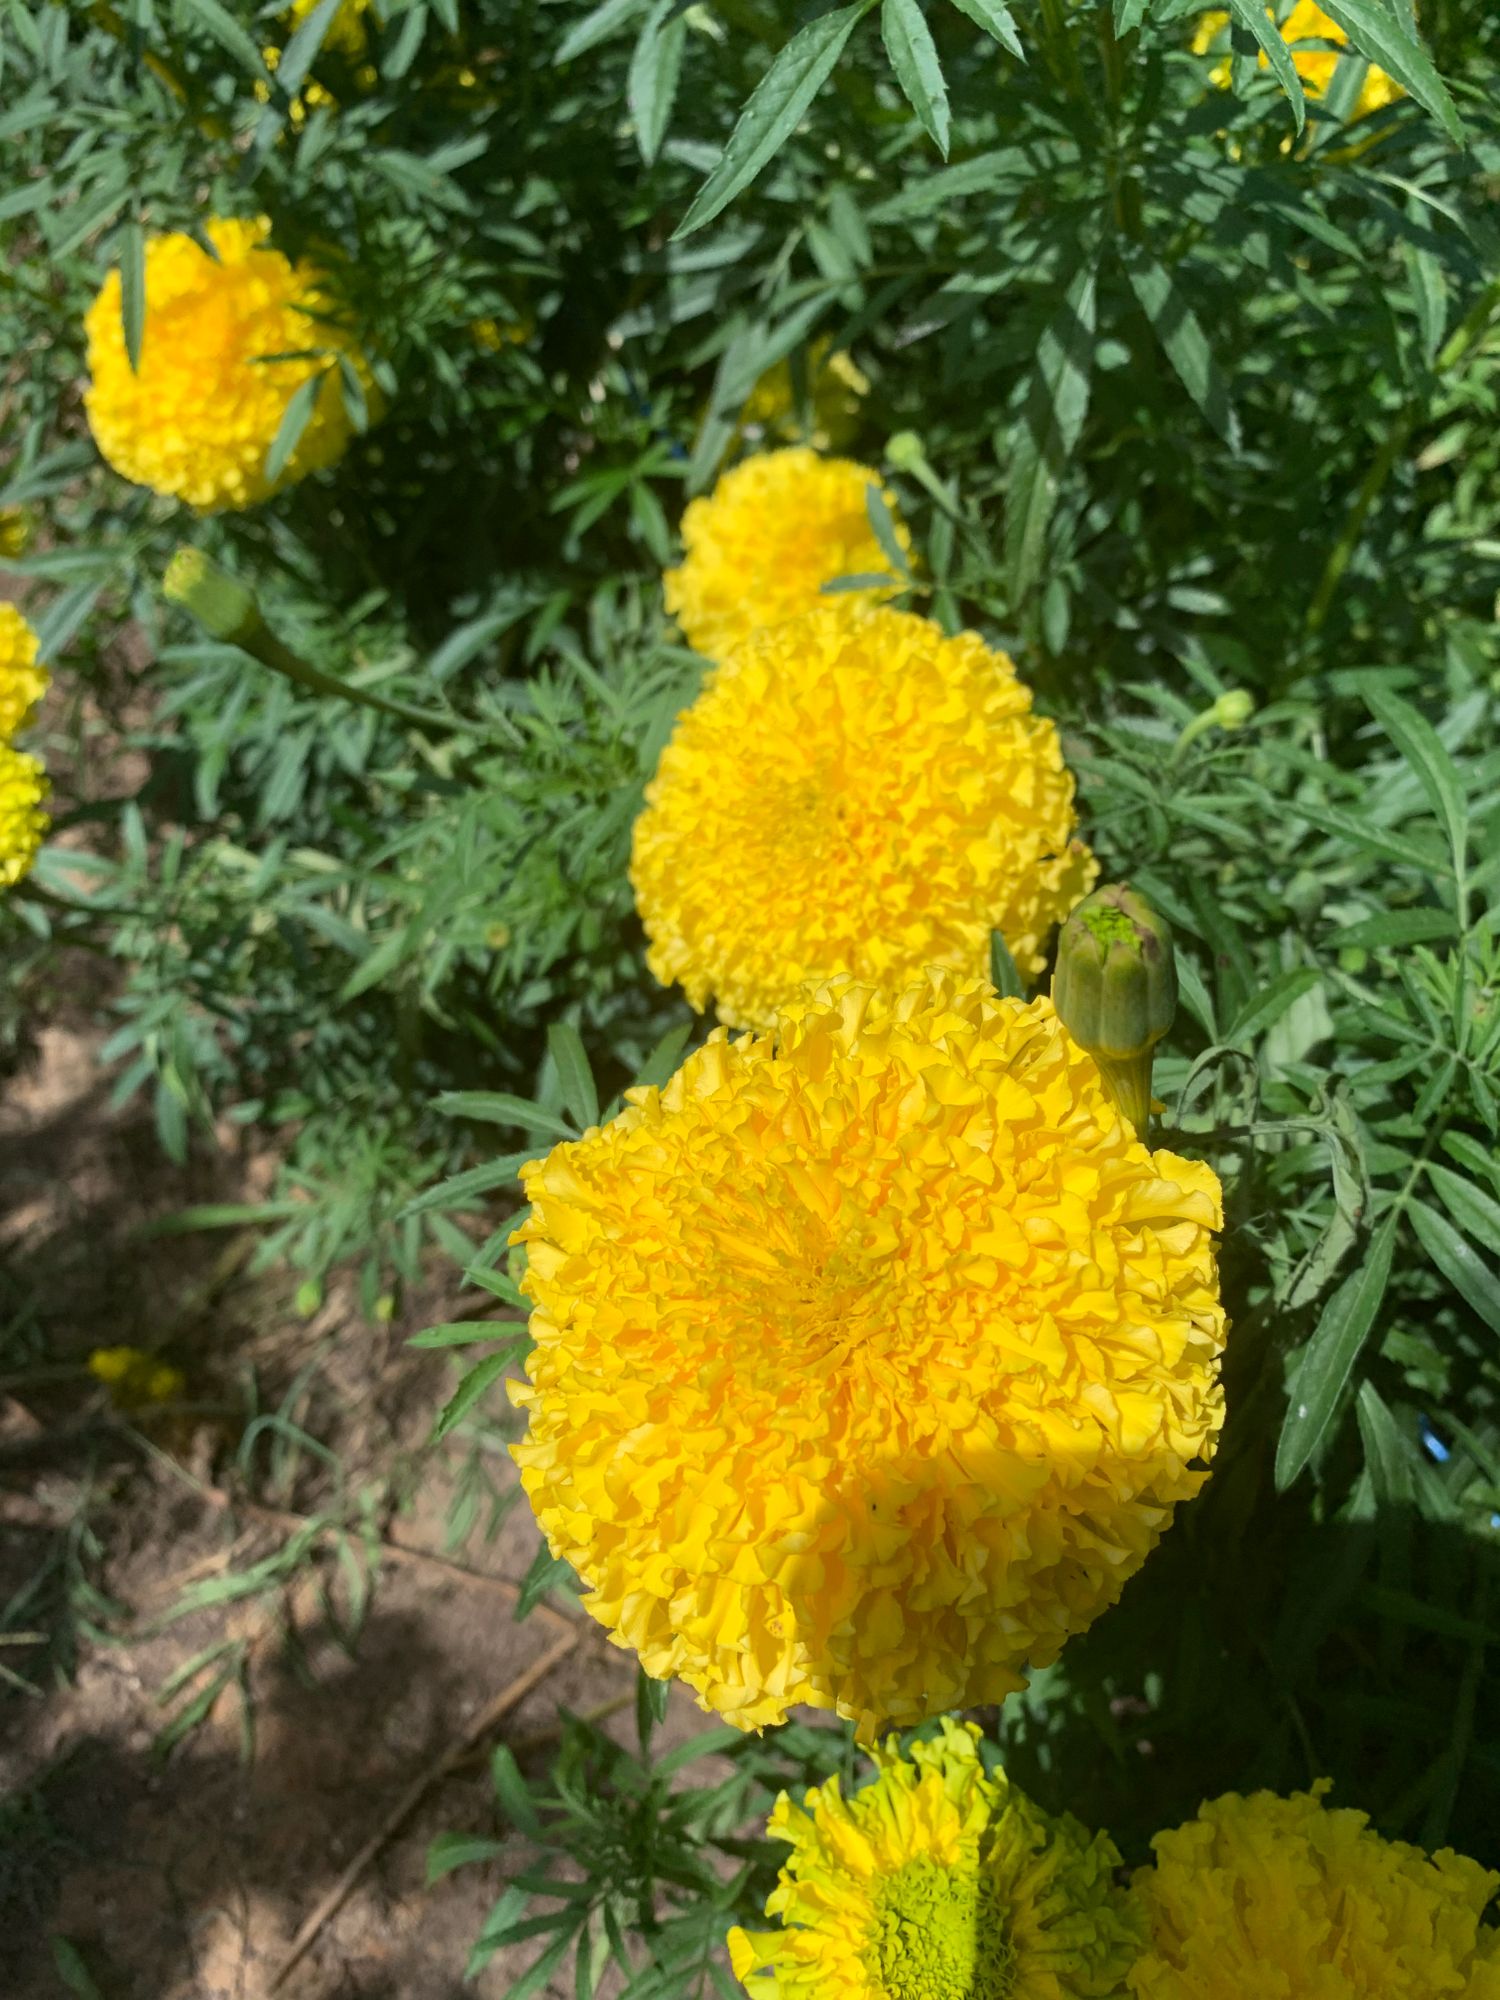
(223, 607)
(1115, 990)
(1233, 709)
(904, 451)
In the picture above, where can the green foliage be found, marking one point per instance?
(1190, 397)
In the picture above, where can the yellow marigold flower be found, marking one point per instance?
(197, 420)
(872, 1355)
(23, 824)
(761, 546)
(134, 1377)
(1286, 1899)
(937, 1882)
(1307, 31)
(836, 387)
(853, 792)
(22, 681)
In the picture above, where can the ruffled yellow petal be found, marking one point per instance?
(872, 1355)
(23, 824)
(853, 792)
(1286, 1899)
(761, 546)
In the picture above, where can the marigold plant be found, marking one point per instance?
(196, 420)
(23, 824)
(762, 545)
(937, 1879)
(1316, 41)
(872, 1355)
(1286, 1899)
(853, 792)
(22, 681)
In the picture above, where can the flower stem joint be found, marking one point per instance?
(1115, 990)
(220, 604)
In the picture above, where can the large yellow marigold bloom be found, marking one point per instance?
(853, 792)
(1284, 1899)
(1308, 32)
(23, 824)
(937, 1882)
(196, 422)
(872, 1355)
(760, 547)
(22, 681)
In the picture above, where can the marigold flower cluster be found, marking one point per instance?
(872, 1355)
(23, 782)
(1288, 1899)
(1315, 40)
(774, 531)
(940, 1882)
(135, 1378)
(853, 793)
(836, 389)
(198, 417)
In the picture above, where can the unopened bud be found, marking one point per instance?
(1234, 709)
(1115, 990)
(222, 606)
(904, 451)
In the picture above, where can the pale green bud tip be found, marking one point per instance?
(223, 607)
(904, 451)
(1115, 989)
(1234, 709)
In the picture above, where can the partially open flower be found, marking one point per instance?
(937, 1880)
(1317, 43)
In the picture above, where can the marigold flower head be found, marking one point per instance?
(937, 1881)
(872, 1355)
(761, 546)
(1288, 1899)
(1315, 40)
(22, 681)
(197, 419)
(15, 531)
(23, 824)
(346, 31)
(853, 792)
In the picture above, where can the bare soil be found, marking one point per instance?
(187, 1873)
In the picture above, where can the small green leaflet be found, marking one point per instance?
(1421, 746)
(775, 110)
(1459, 1262)
(1056, 404)
(1004, 977)
(133, 292)
(594, 28)
(1184, 342)
(996, 20)
(1254, 17)
(656, 65)
(580, 1097)
(914, 58)
(1376, 33)
(294, 421)
(1329, 1357)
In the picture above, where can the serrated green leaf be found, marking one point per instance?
(133, 292)
(499, 1107)
(571, 1062)
(1421, 746)
(1183, 341)
(1004, 976)
(1476, 1213)
(1376, 32)
(1272, 1001)
(1056, 405)
(914, 59)
(604, 21)
(1459, 1262)
(231, 37)
(775, 110)
(294, 421)
(655, 69)
(457, 1850)
(1328, 1359)
(470, 1389)
(1256, 20)
(995, 20)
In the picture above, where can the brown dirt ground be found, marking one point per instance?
(186, 1876)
